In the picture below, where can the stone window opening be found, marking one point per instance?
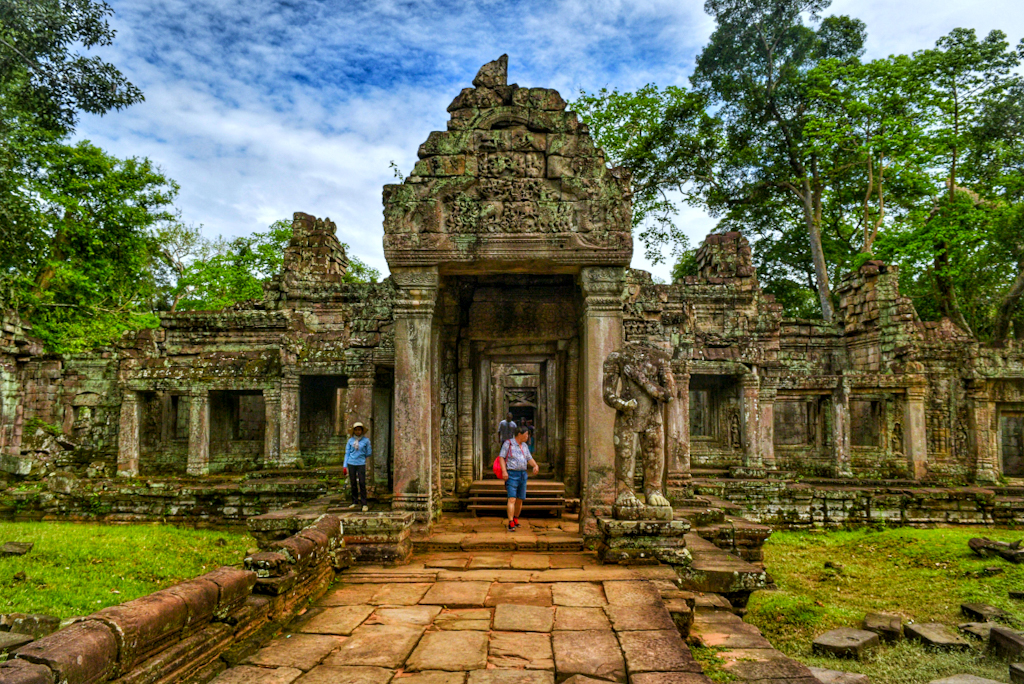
(322, 420)
(1011, 442)
(795, 422)
(865, 423)
(178, 408)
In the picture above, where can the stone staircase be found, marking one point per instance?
(488, 497)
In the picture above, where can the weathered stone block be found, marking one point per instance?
(936, 635)
(23, 672)
(1006, 643)
(82, 653)
(889, 628)
(846, 642)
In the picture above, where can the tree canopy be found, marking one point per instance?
(824, 159)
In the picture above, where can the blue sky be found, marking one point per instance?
(261, 108)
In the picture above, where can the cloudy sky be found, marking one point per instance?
(260, 108)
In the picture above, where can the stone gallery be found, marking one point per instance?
(510, 291)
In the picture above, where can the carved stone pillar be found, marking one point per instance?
(572, 420)
(982, 422)
(915, 438)
(841, 429)
(359, 408)
(290, 450)
(600, 335)
(271, 427)
(766, 422)
(751, 390)
(677, 434)
(464, 479)
(199, 433)
(414, 371)
(128, 436)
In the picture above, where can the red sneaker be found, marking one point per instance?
(515, 521)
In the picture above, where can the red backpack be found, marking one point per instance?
(497, 465)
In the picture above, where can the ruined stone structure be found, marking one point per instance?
(509, 247)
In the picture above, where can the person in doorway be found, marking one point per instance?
(356, 452)
(506, 429)
(515, 459)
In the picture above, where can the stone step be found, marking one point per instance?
(714, 570)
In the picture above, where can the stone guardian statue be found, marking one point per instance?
(638, 382)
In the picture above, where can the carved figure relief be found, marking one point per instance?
(638, 382)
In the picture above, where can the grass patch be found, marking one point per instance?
(77, 569)
(711, 664)
(829, 580)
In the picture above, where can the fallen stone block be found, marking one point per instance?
(837, 677)
(1005, 643)
(37, 625)
(23, 672)
(845, 642)
(963, 679)
(980, 612)
(13, 548)
(889, 628)
(12, 641)
(1017, 673)
(977, 630)
(84, 652)
(936, 635)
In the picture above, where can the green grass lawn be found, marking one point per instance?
(76, 569)
(829, 580)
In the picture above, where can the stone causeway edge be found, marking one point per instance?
(194, 629)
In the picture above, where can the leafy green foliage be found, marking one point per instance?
(41, 72)
(76, 569)
(80, 271)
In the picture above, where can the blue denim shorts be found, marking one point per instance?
(515, 485)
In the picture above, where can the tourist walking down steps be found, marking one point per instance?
(515, 458)
(506, 429)
(356, 452)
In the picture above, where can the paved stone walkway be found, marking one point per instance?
(495, 618)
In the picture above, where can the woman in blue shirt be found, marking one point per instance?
(356, 452)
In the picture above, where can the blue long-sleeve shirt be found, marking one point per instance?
(357, 451)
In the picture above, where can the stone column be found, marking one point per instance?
(271, 427)
(199, 433)
(166, 424)
(128, 436)
(289, 421)
(751, 389)
(677, 434)
(915, 438)
(841, 429)
(359, 408)
(464, 477)
(413, 411)
(766, 422)
(983, 430)
(600, 335)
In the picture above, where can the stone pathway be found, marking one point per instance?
(495, 618)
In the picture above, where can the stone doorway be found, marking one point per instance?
(1011, 436)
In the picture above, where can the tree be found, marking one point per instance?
(42, 74)
(963, 75)
(82, 277)
(754, 69)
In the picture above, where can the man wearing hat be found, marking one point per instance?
(356, 452)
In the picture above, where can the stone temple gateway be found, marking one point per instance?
(509, 247)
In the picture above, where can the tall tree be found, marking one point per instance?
(964, 73)
(754, 70)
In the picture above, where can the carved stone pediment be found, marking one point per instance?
(515, 180)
